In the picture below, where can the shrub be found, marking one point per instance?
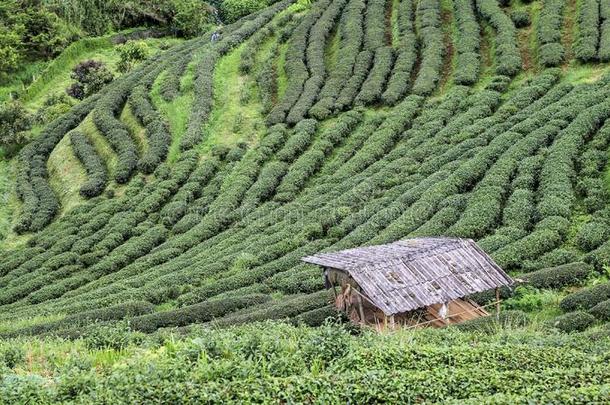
(559, 277)
(116, 312)
(586, 298)
(587, 41)
(468, 43)
(553, 258)
(130, 54)
(202, 312)
(601, 311)
(431, 36)
(94, 165)
(507, 51)
(90, 76)
(191, 18)
(362, 67)
(52, 107)
(574, 321)
(373, 85)
(600, 257)
(233, 10)
(592, 235)
(15, 121)
(521, 18)
(406, 57)
(489, 296)
(317, 317)
(604, 40)
(551, 54)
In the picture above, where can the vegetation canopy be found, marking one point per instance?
(166, 165)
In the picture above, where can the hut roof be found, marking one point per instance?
(416, 273)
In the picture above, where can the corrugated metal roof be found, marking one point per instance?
(414, 273)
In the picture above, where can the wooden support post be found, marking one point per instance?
(385, 322)
(361, 309)
(497, 302)
(392, 324)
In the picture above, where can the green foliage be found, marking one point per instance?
(294, 364)
(90, 76)
(10, 50)
(30, 31)
(587, 42)
(559, 277)
(12, 356)
(573, 321)
(96, 170)
(468, 43)
(214, 234)
(525, 298)
(601, 311)
(202, 312)
(521, 18)
(431, 36)
(508, 58)
(191, 18)
(53, 107)
(551, 52)
(586, 298)
(233, 10)
(130, 54)
(592, 235)
(15, 121)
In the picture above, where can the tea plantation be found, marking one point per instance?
(156, 227)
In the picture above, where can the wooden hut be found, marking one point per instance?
(411, 283)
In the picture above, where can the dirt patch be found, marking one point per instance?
(446, 18)
(388, 22)
(524, 38)
(567, 35)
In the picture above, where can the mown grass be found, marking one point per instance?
(66, 175)
(282, 77)
(177, 111)
(237, 114)
(16, 82)
(137, 131)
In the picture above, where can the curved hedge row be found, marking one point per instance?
(550, 23)
(587, 41)
(93, 163)
(157, 130)
(39, 202)
(296, 64)
(318, 37)
(508, 57)
(105, 119)
(373, 86)
(467, 62)
(431, 38)
(406, 57)
(350, 39)
(586, 298)
(604, 32)
(559, 277)
(198, 313)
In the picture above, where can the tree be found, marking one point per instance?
(130, 54)
(90, 75)
(191, 17)
(233, 10)
(15, 121)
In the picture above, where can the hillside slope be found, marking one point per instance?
(211, 169)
